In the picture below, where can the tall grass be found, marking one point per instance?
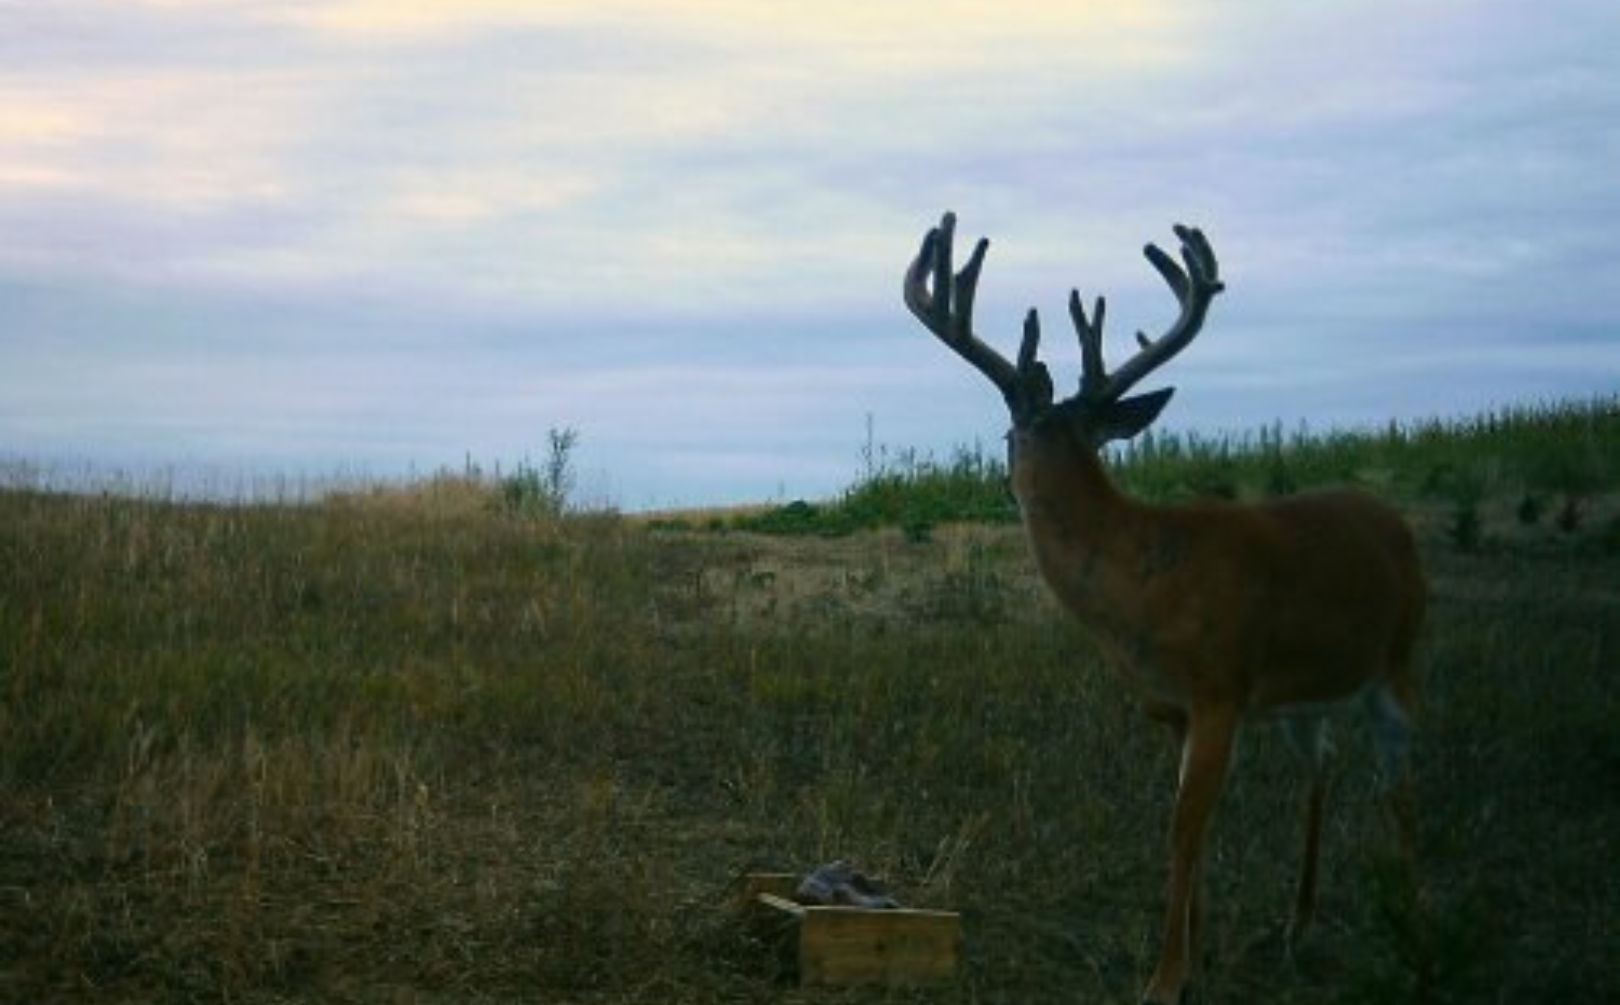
(1567, 448)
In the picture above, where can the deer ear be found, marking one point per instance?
(1126, 417)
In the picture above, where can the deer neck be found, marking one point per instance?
(1086, 536)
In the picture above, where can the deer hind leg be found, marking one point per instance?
(1392, 704)
(1206, 753)
(1308, 734)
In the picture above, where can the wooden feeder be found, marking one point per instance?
(857, 945)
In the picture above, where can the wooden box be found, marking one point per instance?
(856, 945)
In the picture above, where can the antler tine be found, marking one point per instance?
(1194, 287)
(915, 288)
(1034, 380)
(1093, 376)
(1031, 342)
(947, 308)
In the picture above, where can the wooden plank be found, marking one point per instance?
(781, 904)
(845, 945)
(752, 884)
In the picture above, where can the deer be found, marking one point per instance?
(1215, 612)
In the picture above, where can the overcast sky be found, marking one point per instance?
(386, 235)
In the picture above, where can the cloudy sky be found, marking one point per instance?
(311, 236)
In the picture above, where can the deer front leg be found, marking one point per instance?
(1174, 719)
(1206, 752)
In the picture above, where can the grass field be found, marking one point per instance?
(414, 746)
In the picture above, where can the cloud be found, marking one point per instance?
(395, 118)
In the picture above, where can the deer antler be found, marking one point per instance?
(1193, 287)
(947, 310)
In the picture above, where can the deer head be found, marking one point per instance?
(1099, 411)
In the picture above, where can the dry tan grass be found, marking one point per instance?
(440, 496)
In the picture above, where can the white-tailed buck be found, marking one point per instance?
(1212, 612)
